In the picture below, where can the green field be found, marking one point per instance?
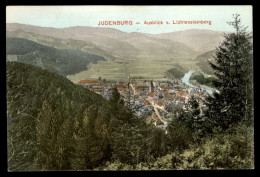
(119, 70)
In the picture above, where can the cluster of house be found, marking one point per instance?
(94, 85)
(146, 97)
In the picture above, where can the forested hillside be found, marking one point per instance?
(56, 125)
(61, 61)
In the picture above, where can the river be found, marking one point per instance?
(186, 79)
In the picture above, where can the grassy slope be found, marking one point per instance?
(119, 70)
(205, 67)
(203, 62)
(206, 55)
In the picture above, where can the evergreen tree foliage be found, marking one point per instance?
(41, 109)
(191, 113)
(233, 69)
(57, 125)
(115, 96)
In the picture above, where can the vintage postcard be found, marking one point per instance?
(129, 87)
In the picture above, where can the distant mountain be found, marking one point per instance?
(186, 44)
(61, 61)
(61, 43)
(200, 40)
(102, 37)
(137, 54)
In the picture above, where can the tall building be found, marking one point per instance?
(152, 87)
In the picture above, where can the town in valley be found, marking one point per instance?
(155, 101)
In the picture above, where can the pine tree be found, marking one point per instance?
(115, 96)
(233, 68)
(115, 101)
(194, 107)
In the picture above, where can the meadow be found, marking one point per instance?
(146, 69)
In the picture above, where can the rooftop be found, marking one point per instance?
(88, 82)
(146, 102)
(159, 104)
(141, 87)
(165, 87)
(155, 117)
(181, 94)
(120, 86)
(150, 94)
(96, 90)
(199, 94)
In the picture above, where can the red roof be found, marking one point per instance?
(146, 102)
(159, 104)
(96, 90)
(88, 82)
(162, 87)
(150, 94)
(199, 94)
(141, 87)
(181, 94)
(155, 117)
(120, 86)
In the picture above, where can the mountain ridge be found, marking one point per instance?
(110, 28)
(137, 54)
(117, 39)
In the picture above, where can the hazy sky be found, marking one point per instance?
(67, 16)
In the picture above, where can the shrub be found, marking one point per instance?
(222, 151)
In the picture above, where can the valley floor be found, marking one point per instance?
(120, 70)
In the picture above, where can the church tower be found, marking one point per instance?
(152, 87)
